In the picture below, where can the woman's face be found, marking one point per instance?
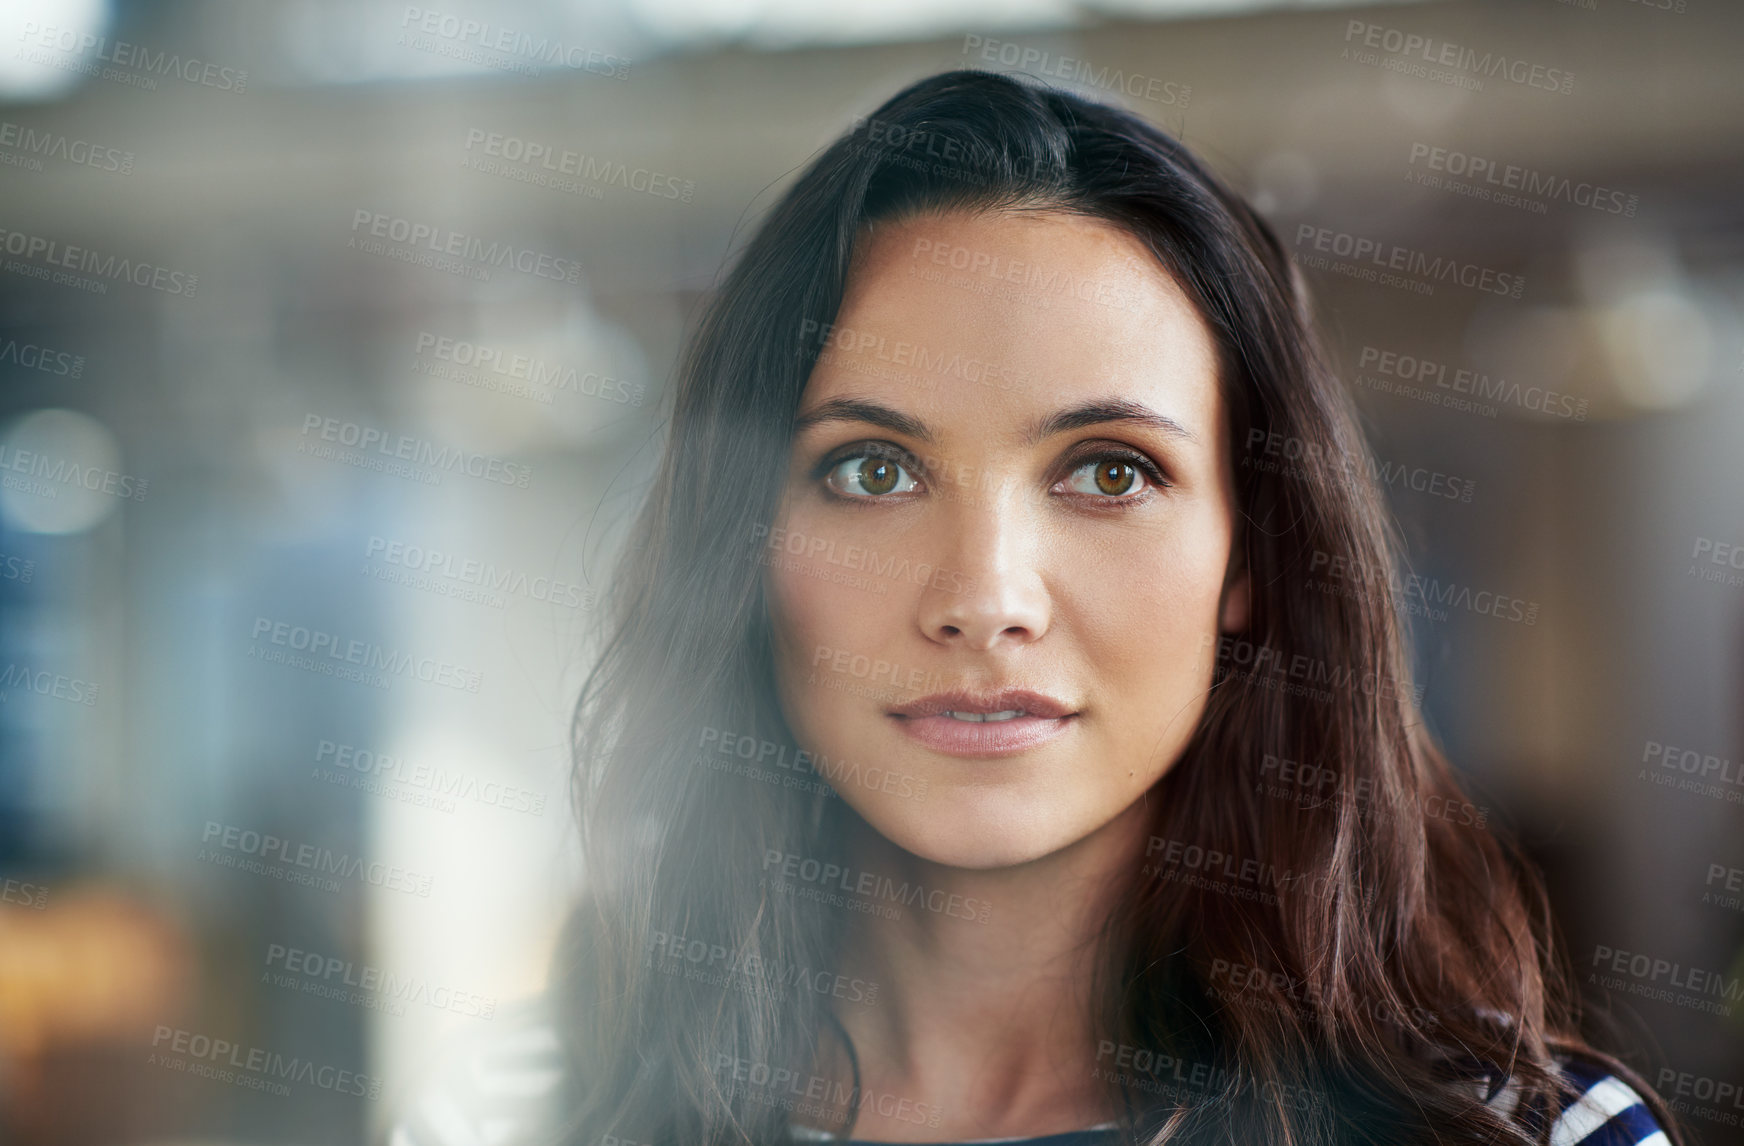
(1010, 473)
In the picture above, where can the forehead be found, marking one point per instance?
(994, 318)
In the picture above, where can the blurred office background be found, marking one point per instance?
(205, 832)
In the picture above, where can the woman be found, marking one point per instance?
(974, 754)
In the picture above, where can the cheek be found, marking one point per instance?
(1145, 608)
(817, 609)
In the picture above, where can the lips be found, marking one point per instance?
(1021, 720)
(984, 703)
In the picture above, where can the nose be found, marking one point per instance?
(988, 591)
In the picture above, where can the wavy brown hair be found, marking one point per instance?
(1377, 966)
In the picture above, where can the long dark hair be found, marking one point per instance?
(1387, 962)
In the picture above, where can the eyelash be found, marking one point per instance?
(889, 452)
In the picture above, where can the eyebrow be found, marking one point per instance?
(1095, 412)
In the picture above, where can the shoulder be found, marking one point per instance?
(1608, 1111)
(498, 1085)
(1603, 1110)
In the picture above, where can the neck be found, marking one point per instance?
(984, 1006)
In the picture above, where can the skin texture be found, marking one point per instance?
(1023, 570)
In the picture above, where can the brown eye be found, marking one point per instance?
(877, 475)
(867, 476)
(1114, 478)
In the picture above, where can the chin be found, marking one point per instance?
(972, 830)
